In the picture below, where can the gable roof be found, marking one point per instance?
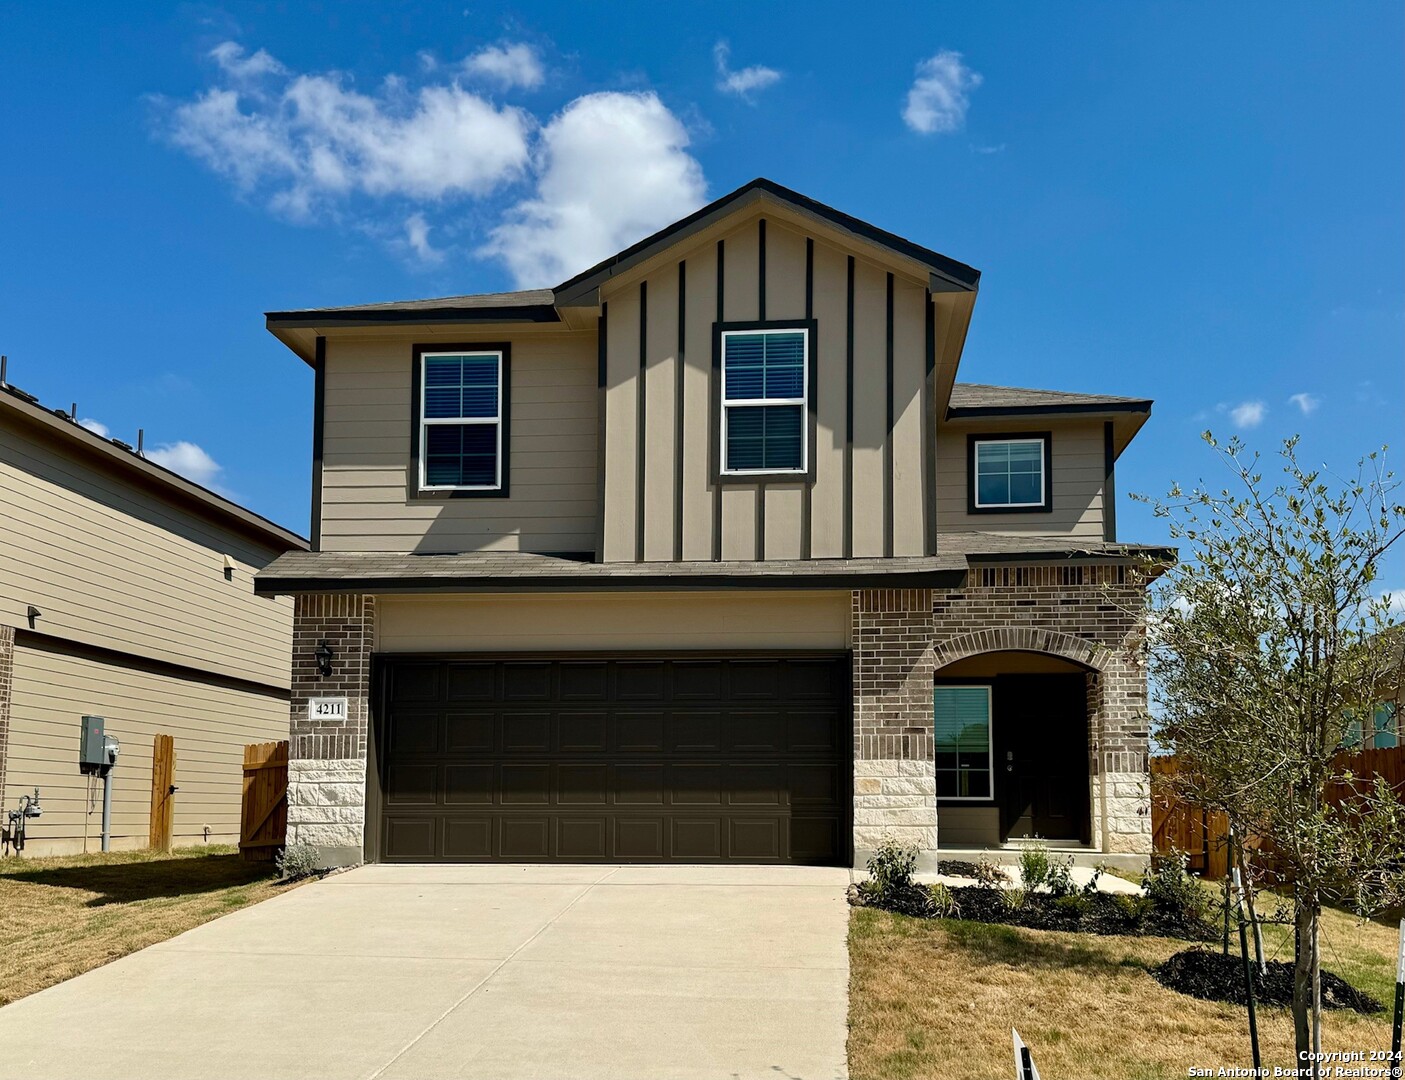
(982, 399)
(543, 305)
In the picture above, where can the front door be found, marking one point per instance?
(1041, 768)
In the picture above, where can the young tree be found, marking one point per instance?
(1264, 643)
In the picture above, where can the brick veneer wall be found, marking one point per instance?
(901, 637)
(327, 758)
(7, 682)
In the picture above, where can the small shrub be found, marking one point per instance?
(1034, 864)
(1071, 906)
(1014, 898)
(891, 867)
(988, 875)
(1060, 880)
(1175, 896)
(944, 905)
(1090, 887)
(298, 861)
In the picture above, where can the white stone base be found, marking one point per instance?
(1126, 812)
(894, 800)
(327, 807)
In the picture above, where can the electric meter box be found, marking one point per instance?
(92, 749)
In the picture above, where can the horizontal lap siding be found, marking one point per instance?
(210, 725)
(552, 501)
(113, 565)
(1078, 481)
(595, 622)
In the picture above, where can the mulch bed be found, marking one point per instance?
(1216, 977)
(1096, 913)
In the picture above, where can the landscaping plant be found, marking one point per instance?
(1265, 645)
(298, 861)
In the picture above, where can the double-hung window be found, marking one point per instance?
(461, 421)
(961, 742)
(1010, 473)
(765, 390)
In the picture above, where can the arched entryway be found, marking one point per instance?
(1039, 709)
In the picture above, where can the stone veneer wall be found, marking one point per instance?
(7, 682)
(327, 759)
(1088, 614)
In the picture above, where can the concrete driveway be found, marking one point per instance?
(423, 972)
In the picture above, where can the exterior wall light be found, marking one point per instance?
(324, 657)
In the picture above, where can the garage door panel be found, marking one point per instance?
(635, 759)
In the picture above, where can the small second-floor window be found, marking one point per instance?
(765, 382)
(461, 421)
(1010, 474)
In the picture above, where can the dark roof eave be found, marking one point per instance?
(977, 412)
(943, 578)
(303, 320)
(957, 275)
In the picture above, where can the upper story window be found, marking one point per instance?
(460, 420)
(1010, 473)
(765, 401)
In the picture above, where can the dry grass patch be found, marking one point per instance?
(936, 999)
(62, 916)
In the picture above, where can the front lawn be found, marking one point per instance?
(62, 916)
(936, 998)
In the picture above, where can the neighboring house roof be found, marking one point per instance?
(542, 305)
(981, 399)
(61, 427)
(510, 571)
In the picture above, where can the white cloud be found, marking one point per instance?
(611, 168)
(939, 97)
(743, 83)
(316, 139)
(229, 55)
(189, 460)
(417, 236)
(507, 65)
(1248, 414)
(1306, 403)
(97, 427)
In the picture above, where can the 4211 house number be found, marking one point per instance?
(326, 708)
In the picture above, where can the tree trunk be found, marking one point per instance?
(1302, 978)
(1316, 983)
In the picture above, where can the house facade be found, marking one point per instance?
(126, 592)
(706, 555)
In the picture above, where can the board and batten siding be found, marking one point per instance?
(552, 501)
(869, 493)
(583, 621)
(113, 565)
(1079, 469)
(54, 686)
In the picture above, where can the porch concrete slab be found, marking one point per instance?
(468, 972)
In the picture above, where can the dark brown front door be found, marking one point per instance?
(627, 759)
(1041, 766)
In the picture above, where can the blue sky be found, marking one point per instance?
(1198, 203)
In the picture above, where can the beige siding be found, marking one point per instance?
(552, 495)
(114, 565)
(774, 511)
(613, 621)
(210, 726)
(1078, 480)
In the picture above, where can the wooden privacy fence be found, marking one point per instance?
(263, 824)
(163, 792)
(1203, 837)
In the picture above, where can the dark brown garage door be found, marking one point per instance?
(638, 759)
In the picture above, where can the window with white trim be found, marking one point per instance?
(961, 742)
(1009, 473)
(461, 421)
(765, 383)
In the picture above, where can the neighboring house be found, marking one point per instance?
(126, 592)
(705, 555)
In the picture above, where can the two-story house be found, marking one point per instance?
(705, 555)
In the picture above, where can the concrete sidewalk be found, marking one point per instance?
(501, 972)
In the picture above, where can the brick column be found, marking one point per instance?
(894, 783)
(327, 758)
(7, 682)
